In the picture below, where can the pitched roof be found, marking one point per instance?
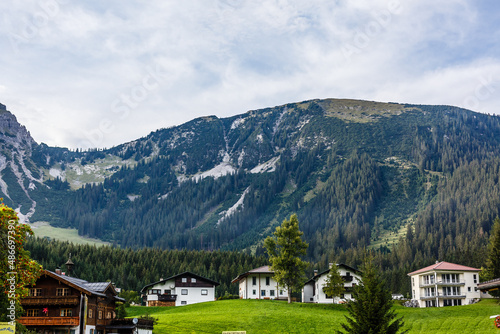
(186, 273)
(494, 284)
(260, 270)
(91, 288)
(444, 266)
(315, 277)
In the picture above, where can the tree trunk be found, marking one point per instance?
(289, 295)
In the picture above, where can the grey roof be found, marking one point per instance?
(186, 273)
(315, 277)
(489, 285)
(95, 288)
(260, 270)
(98, 286)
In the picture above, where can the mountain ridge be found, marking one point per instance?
(358, 173)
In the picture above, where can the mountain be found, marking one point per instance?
(358, 174)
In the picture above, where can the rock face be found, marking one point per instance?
(18, 173)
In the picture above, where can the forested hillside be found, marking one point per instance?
(133, 269)
(418, 183)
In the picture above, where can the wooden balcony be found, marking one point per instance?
(51, 300)
(49, 321)
(167, 298)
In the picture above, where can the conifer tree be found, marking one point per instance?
(371, 310)
(334, 284)
(492, 269)
(285, 250)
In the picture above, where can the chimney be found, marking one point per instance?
(58, 271)
(315, 272)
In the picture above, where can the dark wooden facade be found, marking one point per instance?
(61, 304)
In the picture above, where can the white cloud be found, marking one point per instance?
(63, 79)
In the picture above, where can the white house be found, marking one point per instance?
(259, 283)
(312, 292)
(445, 284)
(183, 289)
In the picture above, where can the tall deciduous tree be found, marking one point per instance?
(17, 269)
(371, 310)
(334, 284)
(285, 250)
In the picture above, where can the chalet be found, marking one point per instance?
(62, 304)
(445, 284)
(259, 283)
(183, 289)
(313, 288)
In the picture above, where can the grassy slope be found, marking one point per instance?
(256, 316)
(64, 234)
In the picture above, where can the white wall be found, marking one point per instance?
(320, 296)
(193, 293)
(246, 287)
(194, 296)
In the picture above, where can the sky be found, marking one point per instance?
(95, 74)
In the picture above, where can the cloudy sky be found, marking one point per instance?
(100, 73)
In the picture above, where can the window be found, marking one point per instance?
(108, 315)
(66, 312)
(62, 292)
(155, 292)
(184, 280)
(193, 280)
(184, 291)
(429, 279)
(429, 292)
(475, 279)
(35, 292)
(100, 315)
(268, 281)
(254, 292)
(91, 331)
(413, 281)
(32, 313)
(167, 292)
(254, 280)
(469, 289)
(450, 278)
(90, 313)
(271, 293)
(263, 293)
(451, 291)
(183, 302)
(281, 292)
(204, 292)
(430, 303)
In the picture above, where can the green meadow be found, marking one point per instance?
(264, 316)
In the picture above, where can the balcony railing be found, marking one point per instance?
(443, 282)
(441, 296)
(49, 321)
(51, 300)
(167, 298)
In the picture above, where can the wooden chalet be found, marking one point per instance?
(62, 304)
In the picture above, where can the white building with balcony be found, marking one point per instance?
(183, 289)
(445, 284)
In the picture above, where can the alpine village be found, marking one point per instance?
(312, 217)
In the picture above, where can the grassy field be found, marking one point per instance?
(256, 316)
(42, 229)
